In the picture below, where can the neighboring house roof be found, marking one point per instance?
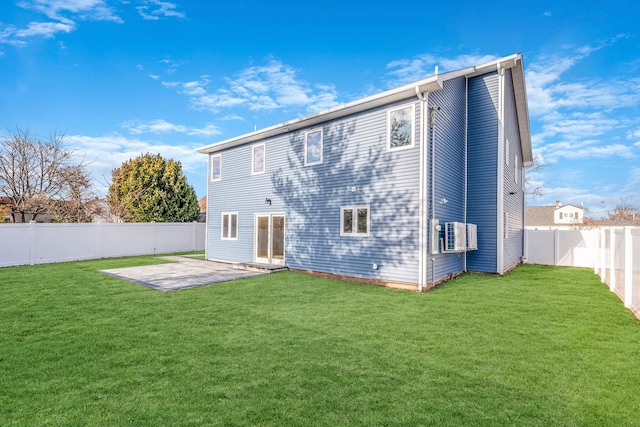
(202, 204)
(426, 85)
(539, 215)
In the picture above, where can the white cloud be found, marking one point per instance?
(575, 127)
(59, 10)
(105, 153)
(44, 29)
(233, 117)
(156, 9)
(64, 14)
(266, 87)
(409, 70)
(583, 149)
(162, 126)
(631, 190)
(633, 134)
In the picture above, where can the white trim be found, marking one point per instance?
(222, 215)
(412, 114)
(500, 178)
(269, 259)
(354, 219)
(423, 210)
(253, 159)
(306, 136)
(515, 168)
(219, 156)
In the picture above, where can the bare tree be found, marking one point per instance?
(38, 176)
(534, 189)
(623, 211)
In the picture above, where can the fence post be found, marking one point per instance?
(600, 253)
(628, 267)
(194, 227)
(32, 242)
(556, 245)
(153, 232)
(612, 259)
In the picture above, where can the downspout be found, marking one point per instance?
(500, 184)
(432, 119)
(422, 214)
(206, 217)
(466, 132)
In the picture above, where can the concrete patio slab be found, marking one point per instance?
(182, 273)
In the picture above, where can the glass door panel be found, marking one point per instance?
(262, 239)
(277, 239)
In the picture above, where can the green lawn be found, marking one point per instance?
(541, 346)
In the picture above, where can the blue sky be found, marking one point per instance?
(121, 78)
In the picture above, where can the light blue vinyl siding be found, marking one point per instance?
(482, 183)
(513, 203)
(448, 136)
(239, 191)
(355, 156)
(358, 170)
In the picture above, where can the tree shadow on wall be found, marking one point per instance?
(313, 196)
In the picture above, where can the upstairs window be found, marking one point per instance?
(216, 167)
(313, 147)
(229, 228)
(400, 128)
(354, 221)
(257, 159)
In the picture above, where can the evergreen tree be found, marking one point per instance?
(150, 188)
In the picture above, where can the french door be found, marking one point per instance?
(269, 238)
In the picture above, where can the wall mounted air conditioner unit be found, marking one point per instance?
(455, 237)
(472, 237)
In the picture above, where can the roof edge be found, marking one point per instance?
(428, 84)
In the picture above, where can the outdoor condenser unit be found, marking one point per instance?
(472, 237)
(455, 237)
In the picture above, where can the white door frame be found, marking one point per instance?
(270, 259)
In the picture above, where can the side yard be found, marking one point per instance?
(540, 346)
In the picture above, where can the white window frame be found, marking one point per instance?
(306, 147)
(354, 232)
(213, 178)
(229, 215)
(413, 127)
(253, 159)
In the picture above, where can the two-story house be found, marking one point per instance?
(406, 188)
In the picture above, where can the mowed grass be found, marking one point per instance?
(540, 346)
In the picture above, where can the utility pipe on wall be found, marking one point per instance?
(422, 240)
(432, 120)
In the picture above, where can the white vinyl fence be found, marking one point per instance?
(612, 252)
(22, 244)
